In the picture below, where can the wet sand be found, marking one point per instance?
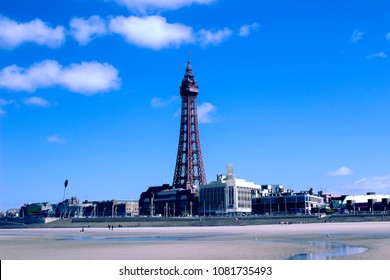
(257, 242)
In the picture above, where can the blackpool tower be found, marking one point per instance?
(189, 169)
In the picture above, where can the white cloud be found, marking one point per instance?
(55, 139)
(146, 5)
(388, 36)
(86, 78)
(206, 112)
(156, 33)
(36, 101)
(90, 77)
(207, 37)
(14, 34)
(356, 36)
(342, 171)
(84, 30)
(246, 29)
(376, 55)
(3, 103)
(378, 184)
(159, 102)
(151, 32)
(42, 74)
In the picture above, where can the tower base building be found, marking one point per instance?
(166, 201)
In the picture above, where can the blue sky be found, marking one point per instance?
(291, 92)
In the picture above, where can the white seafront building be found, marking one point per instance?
(227, 195)
(369, 202)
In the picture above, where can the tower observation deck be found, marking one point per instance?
(189, 169)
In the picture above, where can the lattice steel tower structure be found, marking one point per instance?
(189, 169)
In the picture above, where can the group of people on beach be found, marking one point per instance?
(111, 227)
(290, 222)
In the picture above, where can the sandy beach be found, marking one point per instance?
(257, 242)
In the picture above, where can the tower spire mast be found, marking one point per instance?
(189, 169)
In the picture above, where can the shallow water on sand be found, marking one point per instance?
(336, 250)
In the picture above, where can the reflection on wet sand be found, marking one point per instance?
(335, 250)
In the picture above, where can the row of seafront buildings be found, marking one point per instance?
(226, 196)
(72, 208)
(230, 196)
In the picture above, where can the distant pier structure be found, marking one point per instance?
(182, 197)
(189, 169)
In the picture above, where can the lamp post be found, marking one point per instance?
(270, 206)
(64, 207)
(152, 205)
(112, 210)
(285, 205)
(65, 185)
(295, 203)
